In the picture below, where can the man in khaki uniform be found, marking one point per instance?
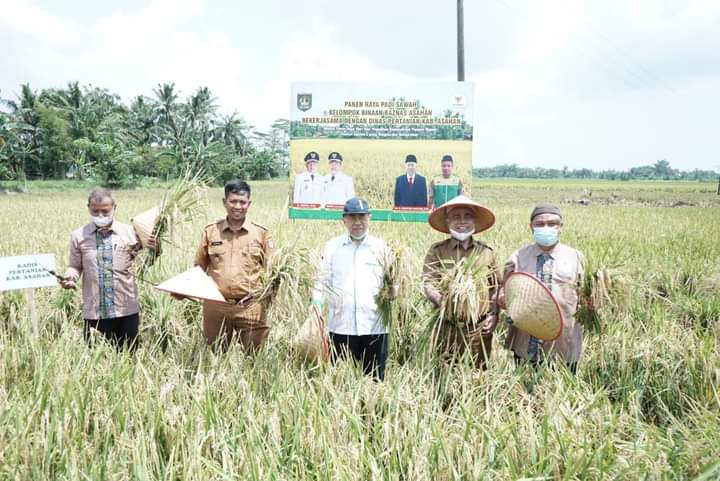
(461, 218)
(560, 268)
(233, 251)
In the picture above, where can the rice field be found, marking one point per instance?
(644, 404)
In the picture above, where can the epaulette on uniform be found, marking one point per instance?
(259, 225)
(484, 244)
(213, 223)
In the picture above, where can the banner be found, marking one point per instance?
(25, 272)
(403, 148)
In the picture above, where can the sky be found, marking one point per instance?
(600, 84)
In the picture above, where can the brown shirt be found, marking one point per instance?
(234, 259)
(83, 261)
(567, 272)
(452, 250)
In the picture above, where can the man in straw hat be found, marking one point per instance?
(462, 217)
(103, 251)
(350, 277)
(233, 251)
(560, 268)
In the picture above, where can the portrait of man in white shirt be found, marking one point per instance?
(309, 184)
(337, 186)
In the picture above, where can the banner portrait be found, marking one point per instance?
(404, 148)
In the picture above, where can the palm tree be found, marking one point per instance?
(233, 130)
(200, 109)
(166, 109)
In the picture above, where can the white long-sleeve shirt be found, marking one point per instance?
(337, 188)
(350, 277)
(308, 188)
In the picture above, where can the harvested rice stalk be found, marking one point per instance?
(465, 287)
(288, 278)
(181, 202)
(397, 283)
(601, 290)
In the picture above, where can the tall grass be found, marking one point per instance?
(644, 404)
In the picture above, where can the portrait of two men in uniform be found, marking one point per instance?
(313, 189)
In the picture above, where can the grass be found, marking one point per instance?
(644, 404)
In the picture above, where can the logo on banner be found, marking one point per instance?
(304, 102)
(457, 101)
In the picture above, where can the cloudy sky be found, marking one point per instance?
(578, 83)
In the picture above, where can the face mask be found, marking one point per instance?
(461, 236)
(101, 220)
(546, 236)
(359, 238)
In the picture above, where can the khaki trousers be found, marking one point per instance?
(223, 321)
(455, 341)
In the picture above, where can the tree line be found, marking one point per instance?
(660, 170)
(83, 132)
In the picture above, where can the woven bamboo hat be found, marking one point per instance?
(311, 341)
(193, 283)
(484, 217)
(532, 307)
(144, 224)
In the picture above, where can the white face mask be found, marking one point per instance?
(461, 236)
(101, 220)
(358, 238)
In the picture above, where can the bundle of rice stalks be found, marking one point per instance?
(602, 290)
(181, 202)
(397, 284)
(288, 278)
(464, 286)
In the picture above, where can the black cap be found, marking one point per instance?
(312, 156)
(410, 158)
(545, 209)
(447, 158)
(335, 156)
(356, 205)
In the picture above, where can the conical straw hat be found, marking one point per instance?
(193, 283)
(532, 307)
(311, 341)
(484, 217)
(144, 224)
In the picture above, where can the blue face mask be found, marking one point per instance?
(546, 236)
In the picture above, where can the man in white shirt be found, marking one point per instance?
(309, 184)
(350, 277)
(337, 187)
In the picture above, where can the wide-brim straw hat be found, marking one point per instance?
(193, 283)
(484, 217)
(532, 307)
(144, 224)
(311, 341)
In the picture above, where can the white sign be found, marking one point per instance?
(24, 272)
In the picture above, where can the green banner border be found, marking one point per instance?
(386, 215)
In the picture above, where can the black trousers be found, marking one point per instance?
(370, 350)
(122, 331)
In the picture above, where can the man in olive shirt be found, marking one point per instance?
(233, 251)
(447, 186)
(461, 218)
(560, 268)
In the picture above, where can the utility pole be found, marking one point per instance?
(461, 46)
